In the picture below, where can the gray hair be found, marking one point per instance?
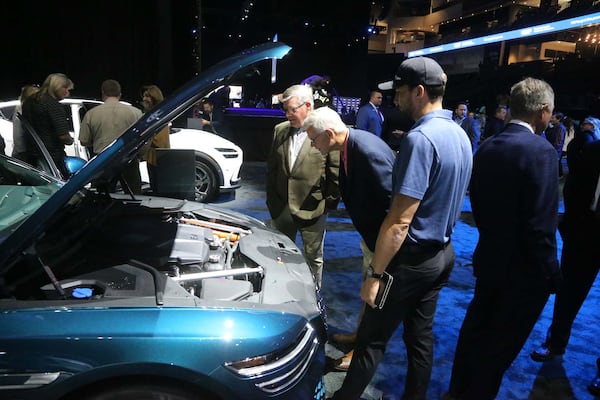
(324, 118)
(529, 96)
(303, 93)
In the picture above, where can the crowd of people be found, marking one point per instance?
(40, 108)
(405, 199)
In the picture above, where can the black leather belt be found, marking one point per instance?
(415, 248)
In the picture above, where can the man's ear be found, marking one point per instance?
(330, 133)
(420, 90)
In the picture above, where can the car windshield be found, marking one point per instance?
(22, 191)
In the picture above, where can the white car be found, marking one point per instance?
(218, 161)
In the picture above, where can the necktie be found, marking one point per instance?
(344, 161)
(596, 200)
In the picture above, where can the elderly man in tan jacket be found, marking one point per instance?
(302, 183)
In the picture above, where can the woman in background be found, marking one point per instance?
(151, 96)
(49, 119)
(19, 150)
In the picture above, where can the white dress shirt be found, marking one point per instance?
(296, 142)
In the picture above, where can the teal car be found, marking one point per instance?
(119, 296)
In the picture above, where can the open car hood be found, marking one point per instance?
(109, 163)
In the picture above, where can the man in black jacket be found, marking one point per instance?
(514, 196)
(469, 125)
(580, 231)
(365, 185)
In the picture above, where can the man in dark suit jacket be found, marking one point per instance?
(369, 117)
(212, 117)
(580, 231)
(469, 125)
(302, 184)
(365, 169)
(494, 124)
(514, 196)
(365, 183)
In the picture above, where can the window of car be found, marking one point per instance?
(22, 191)
(7, 112)
(69, 117)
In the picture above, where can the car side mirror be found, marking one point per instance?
(74, 164)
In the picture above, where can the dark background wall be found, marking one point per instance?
(328, 38)
(166, 42)
(133, 42)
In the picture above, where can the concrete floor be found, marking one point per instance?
(562, 379)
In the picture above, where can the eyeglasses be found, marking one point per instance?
(292, 109)
(313, 140)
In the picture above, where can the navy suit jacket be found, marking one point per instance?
(367, 185)
(514, 196)
(368, 119)
(471, 127)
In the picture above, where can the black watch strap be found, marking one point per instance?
(371, 272)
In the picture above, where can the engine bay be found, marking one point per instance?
(109, 247)
(205, 261)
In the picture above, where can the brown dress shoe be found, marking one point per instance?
(343, 363)
(544, 353)
(344, 338)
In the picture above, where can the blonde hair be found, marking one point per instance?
(53, 83)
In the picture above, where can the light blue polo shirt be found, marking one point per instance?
(433, 165)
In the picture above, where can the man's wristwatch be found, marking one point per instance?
(371, 273)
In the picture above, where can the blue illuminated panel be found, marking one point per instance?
(351, 103)
(577, 22)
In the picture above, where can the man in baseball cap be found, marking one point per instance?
(429, 181)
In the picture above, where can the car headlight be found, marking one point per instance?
(296, 357)
(227, 152)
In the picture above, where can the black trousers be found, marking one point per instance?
(496, 326)
(418, 278)
(580, 262)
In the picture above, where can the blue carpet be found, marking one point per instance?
(561, 379)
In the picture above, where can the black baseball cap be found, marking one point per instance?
(417, 71)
